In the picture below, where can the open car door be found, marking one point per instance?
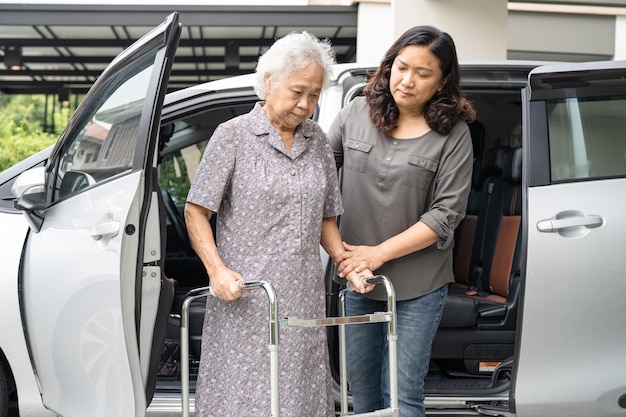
(91, 275)
(571, 354)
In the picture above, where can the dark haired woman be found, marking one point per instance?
(406, 154)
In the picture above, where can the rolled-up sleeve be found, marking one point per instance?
(451, 188)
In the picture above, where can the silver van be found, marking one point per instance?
(96, 260)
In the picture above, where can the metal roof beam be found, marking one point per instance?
(136, 15)
(123, 43)
(64, 32)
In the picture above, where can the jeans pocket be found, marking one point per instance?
(356, 153)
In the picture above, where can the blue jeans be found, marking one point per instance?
(367, 357)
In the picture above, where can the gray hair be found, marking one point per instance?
(289, 54)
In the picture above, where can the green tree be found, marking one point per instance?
(21, 131)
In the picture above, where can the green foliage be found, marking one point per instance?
(174, 176)
(21, 127)
(15, 148)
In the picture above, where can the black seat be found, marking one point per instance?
(503, 248)
(477, 132)
(470, 235)
(465, 233)
(499, 257)
(477, 323)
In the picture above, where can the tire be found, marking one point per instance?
(4, 392)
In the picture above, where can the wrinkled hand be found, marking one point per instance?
(358, 259)
(225, 284)
(358, 280)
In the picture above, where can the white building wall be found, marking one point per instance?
(478, 27)
(497, 29)
(374, 31)
(567, 37)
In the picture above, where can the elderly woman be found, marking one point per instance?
(270, 177)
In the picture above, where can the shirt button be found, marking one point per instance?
(381, 177)
(422, 163)
(395, 142)
(388, 159)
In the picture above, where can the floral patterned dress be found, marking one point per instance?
(269, 204)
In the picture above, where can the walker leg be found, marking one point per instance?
(274, 336)
(184, 346)
(343, 367)
(392, 338)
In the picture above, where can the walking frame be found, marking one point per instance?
(275, 324)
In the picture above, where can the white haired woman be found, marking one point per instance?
(271, 178)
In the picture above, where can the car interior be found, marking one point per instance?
(473, 349)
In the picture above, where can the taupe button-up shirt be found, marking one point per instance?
(390, 184)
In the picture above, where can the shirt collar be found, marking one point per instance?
(263, 126)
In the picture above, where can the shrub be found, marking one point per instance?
(21, 131)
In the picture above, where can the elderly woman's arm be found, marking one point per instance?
(223, 280)
(332, 244)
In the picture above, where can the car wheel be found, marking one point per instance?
(4, 393)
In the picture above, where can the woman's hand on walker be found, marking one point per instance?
(225, 284)
(358, 259)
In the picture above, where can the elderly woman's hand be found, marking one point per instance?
(358, 259)
(358, 281)
(225, 284)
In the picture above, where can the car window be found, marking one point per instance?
(587, 138)
(184, 143)
(178, 170)
(104, 141)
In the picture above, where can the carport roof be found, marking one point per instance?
(67, 46)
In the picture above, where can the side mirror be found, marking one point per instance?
(30, 196)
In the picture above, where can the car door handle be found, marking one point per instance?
(568, 220)
(108, 229)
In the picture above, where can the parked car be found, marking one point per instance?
(96, 260)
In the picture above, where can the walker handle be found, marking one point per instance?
(373, 280)
(241, 285)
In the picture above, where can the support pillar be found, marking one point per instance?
(478, 27)
(620, 38)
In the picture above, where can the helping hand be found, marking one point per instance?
(358, 259)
